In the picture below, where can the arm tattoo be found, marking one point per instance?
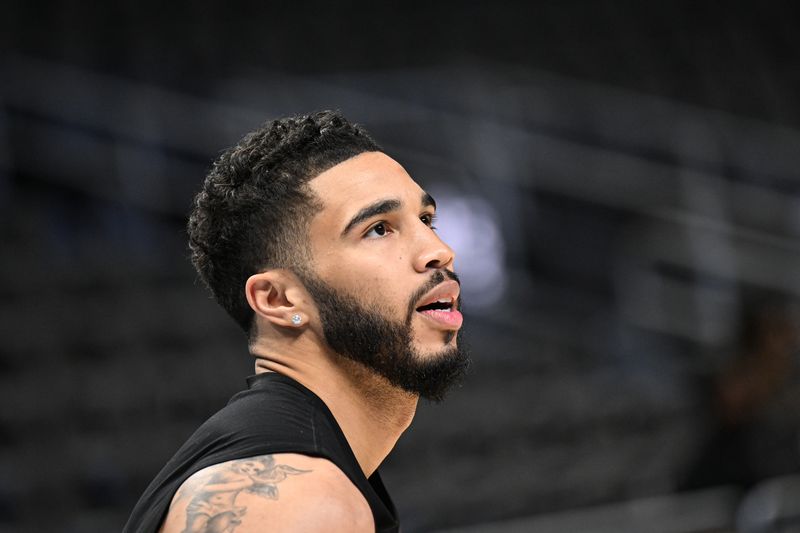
(213, 506)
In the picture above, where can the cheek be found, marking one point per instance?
(363, 272)
(384, 292)
(378, 279)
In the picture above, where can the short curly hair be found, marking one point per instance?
(253, 211)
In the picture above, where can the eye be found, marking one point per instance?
(378, 230)
(428, 219)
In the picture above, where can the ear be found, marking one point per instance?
(274, 296)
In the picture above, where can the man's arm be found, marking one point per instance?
(280, 492)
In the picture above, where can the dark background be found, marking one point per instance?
(621, 181)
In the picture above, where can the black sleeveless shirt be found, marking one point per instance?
(274, 415)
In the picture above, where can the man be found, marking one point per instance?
(323, 249)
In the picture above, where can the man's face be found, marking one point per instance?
(382, 279)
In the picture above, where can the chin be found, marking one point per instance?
(430, 340)
(433, 350)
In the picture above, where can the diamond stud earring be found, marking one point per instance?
(296, 319)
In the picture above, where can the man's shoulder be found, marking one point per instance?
(280, 414)
(288, 492)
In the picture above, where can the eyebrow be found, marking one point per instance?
(382, 207)
(378, 208)
(428, 201)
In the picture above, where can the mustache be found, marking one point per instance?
(436, 278)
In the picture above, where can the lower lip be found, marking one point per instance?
(449, 319)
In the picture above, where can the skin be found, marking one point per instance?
(382, 261)
(385, 269)
(303, 497)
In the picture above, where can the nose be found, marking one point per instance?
(433, 253)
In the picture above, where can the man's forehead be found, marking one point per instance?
(361, 180)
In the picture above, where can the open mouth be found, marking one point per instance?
(441, 306)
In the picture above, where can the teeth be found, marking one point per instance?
(447, 301)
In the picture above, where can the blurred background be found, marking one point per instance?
(621, 181)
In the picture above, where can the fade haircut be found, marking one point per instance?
(253, 211)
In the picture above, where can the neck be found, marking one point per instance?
(371, 412)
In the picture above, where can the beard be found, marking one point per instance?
(386, 346)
